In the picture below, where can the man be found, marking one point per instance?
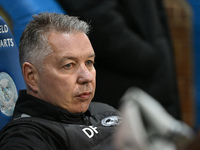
(55, 111)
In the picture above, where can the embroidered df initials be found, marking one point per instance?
(90, 131)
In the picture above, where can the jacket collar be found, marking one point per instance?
(41, 109)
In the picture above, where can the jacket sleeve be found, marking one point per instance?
(117, 46)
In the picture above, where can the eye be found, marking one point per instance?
(89, 63)
(69, 66)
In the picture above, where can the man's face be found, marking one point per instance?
(68, 79)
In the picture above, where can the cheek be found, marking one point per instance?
(52, 82)
(94, 77)
(57, 89)
(64, 85)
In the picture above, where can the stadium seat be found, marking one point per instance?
(11, 80)
(20, 12)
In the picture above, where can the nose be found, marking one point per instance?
(84, 75)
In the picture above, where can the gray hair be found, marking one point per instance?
(34, 46)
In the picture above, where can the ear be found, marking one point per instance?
(30, 74)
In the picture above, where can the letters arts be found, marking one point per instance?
(7, 42)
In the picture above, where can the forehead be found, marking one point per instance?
(70, 45)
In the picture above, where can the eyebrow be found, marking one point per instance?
(93, 55)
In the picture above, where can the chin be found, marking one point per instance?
(83, 108)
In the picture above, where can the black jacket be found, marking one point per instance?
(133, 48)
(38, 125)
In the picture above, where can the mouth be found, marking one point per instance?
(84, 95)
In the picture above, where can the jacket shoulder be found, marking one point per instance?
(98, 108)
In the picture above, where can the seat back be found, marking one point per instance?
(20, 13)
(11, 79)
